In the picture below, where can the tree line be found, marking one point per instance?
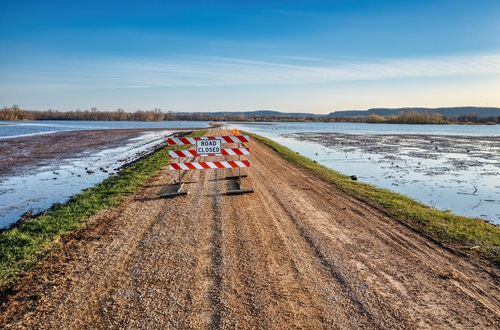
(410, 117)
(16, 113)
(414, 117)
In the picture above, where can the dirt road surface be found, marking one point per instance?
(296, 254)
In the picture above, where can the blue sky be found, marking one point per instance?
(293, 56)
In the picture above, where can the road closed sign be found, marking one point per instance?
(204, 147)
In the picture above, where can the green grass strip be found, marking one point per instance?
(462, 232)
(24, 246)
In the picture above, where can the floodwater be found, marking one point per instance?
(449, 167)
(35, 189)
(13, 129)
(402, 158)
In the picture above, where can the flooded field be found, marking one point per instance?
(452, 173)
(27, 190)
(43, 163)
(452, 168)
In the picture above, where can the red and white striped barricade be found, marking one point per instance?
(192, 140)
(193, 153)
(209, 165)
(208, 146)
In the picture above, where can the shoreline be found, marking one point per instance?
(22, 152)
(448, 172)
(39, 172)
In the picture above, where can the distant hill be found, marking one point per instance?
(481, 112)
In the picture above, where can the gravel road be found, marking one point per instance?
(295, 254)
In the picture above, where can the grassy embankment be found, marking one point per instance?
(465, 234)
(24, 246)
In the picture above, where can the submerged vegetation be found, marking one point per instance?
(23, 246)
(465, 234)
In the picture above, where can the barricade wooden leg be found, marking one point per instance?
(179, 191)
(240, 190)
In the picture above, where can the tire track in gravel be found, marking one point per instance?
(163, 275)
(297, 253)
(216, 241)
(273, 279)
(353, 300)
(366, 253)
(151, 269)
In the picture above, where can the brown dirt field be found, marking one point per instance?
(296, 254)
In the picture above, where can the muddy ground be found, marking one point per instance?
(468, 151)
(41, 170)
(37, 150)
(459, 174)
(296, 254)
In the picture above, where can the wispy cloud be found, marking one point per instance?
(220, 71)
